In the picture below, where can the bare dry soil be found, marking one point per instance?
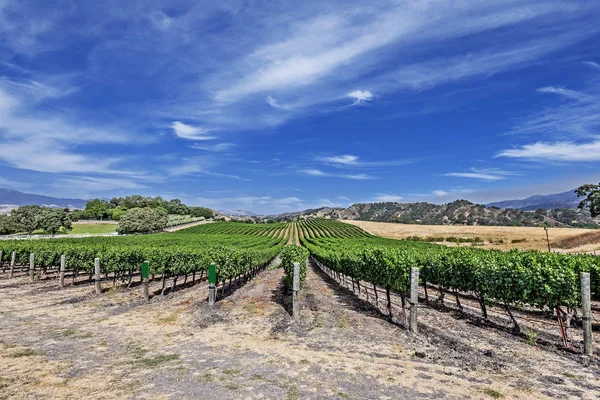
(72, 344)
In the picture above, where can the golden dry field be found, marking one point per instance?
(494, 237)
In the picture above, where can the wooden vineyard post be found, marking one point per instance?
(13, 260)
(97, 275)
(1, 254)
(389, 304)
(31, 267)
(63, 264)
(146, 284)
(212, 280)
(296, 289)
(586, 310)
(414, 298)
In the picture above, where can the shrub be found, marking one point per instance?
(143, 220)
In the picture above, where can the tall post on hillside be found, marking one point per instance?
(97, 275)
(63, 267)
(414, 298)
(586, 311)
(212, 281)
(296, 289)
(13, 261)
(145, 280)
(31, 267)
(1, 254)
(547, 238)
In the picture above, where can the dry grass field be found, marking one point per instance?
(494, 237)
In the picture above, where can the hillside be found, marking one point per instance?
(566, 199)
(16, 198)
(459, 212)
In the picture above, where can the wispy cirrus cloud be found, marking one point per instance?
(319, 173)
(578, 116)
(200, 165)
(186, 131)
(352, 161)
(566, 132)
(483, 174)
(556, 151)
(592, 64)
(32, 138)
(215, 148)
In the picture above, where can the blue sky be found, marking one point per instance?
(275, 106)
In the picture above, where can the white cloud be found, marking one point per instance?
(592, 64)
(275, 104)
(573, 94)
(190, 132)
(488, 174)
(386, 198)
(351, 161)
(219, 147)
(577, 116)
(81, 185)
(316, 56)
(440, 193)
(319, 173)
(35, 140)
(556, 151)
(343, 159)
(343, 198)
(259, 204)
(360, 96)
(200, 165)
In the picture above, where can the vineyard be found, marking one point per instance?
(524, 296)
(236, 249)
(545, 281)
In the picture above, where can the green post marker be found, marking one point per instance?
(212, 273)
(212, 280)
(145, 270)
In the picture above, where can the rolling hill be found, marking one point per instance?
(566, 199)
(459, 212)
(10, 197)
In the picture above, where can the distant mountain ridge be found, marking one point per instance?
(566, 199)
(459, 212)
(16, 198)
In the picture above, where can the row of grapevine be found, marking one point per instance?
(542, 280)
(169, 254)
(290, 255)
(324, 227)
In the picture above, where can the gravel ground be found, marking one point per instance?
(70, 343)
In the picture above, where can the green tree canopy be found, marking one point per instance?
(592, 198)
(96, 209)
(53, 219)
(26, 218)
(143, 220)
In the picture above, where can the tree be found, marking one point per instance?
(175, 206)
(76, 215)
(117, 213)
(7, 226)
(53, 219)
(201, 212)
(96, 209)
(143, 220)
(26, 218)
(592, 200)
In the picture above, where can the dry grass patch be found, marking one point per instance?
(579, 240)
(496, 237)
